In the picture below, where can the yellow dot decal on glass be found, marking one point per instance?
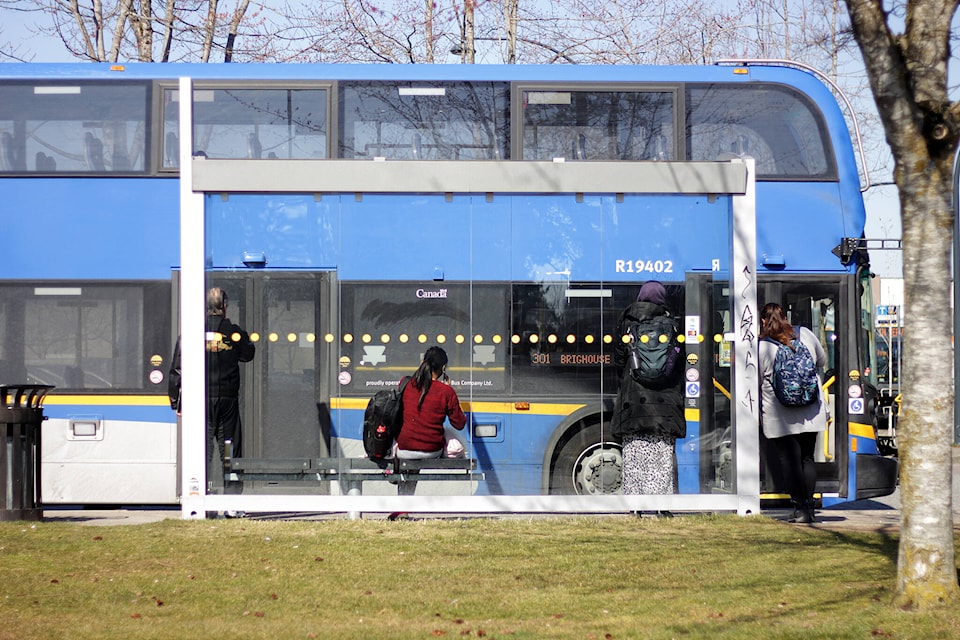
(663, 338)
(460, 338)
(422, 339)
(328, 338)
(534, 338)
(681, 338)
(441, 339)
(235, 336)
(254, 337)
(366, 338)
(311, 337)
(515, 339)
(497, 339)
(384, 338)
(626, 339)
(644, 338)
(607, 339)
(571, 339)
(348, 337)
(291, 337)
(717, 337)
(404, 338)
(478, 339)
(588, 339)
(552, 339)
(273, 337)
(700, 338)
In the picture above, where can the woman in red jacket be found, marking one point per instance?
(427, 402)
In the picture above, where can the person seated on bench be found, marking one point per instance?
(428, 401)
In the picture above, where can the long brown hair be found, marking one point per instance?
(774, 324)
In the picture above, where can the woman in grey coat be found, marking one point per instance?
(648, 419)
(792, 431)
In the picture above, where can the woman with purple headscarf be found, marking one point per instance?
(649, 416)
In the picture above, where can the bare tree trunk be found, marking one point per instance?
(234, 27)
(168, 17)
(468, 31)
(908, 75)
(145, 31)
(209, 28)
(510, 16)
(88, 43)
(122, 14)
(428, 31)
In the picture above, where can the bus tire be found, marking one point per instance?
(587, 464)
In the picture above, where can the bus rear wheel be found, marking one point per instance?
(589, 463)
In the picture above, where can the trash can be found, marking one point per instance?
(20, 418)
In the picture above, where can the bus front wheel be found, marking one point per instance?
(589, 463)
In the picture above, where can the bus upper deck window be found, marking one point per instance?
(424, 120)
(86, 127)
(777, 126)
(598, 125)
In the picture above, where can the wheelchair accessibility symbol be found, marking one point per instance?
(855, 406)
(693, 390)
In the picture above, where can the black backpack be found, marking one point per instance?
(654, 349)
(382, 421)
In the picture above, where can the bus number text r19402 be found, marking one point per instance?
(644, 266)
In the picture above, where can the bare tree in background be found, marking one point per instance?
(908, 75)
(120, 30)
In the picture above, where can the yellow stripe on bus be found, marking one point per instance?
(137, 401)
(861, 430)
(549, 409)
(536, 408)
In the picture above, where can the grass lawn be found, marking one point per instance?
(564, 577)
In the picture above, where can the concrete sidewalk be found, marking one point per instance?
(881, 515)
(864, 515)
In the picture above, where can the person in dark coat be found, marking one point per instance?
(648, 419)
(227, 345)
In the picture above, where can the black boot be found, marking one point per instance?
(796, 511)
(806, 514)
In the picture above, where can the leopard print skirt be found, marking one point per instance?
(649, 465)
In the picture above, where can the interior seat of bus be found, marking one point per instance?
(45, 162)
(8, 154)
(93, 152)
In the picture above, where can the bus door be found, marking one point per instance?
(285, 390)
(819, 304)
(815, 304)
(709, 360)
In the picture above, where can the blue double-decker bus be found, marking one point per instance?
(357, 214)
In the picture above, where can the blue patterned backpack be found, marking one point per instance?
(795, 381)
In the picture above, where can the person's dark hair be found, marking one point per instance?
(434, 360)
(216, 302)
(774, 323)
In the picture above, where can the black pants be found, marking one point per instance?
(795, 459)
(223, 423)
